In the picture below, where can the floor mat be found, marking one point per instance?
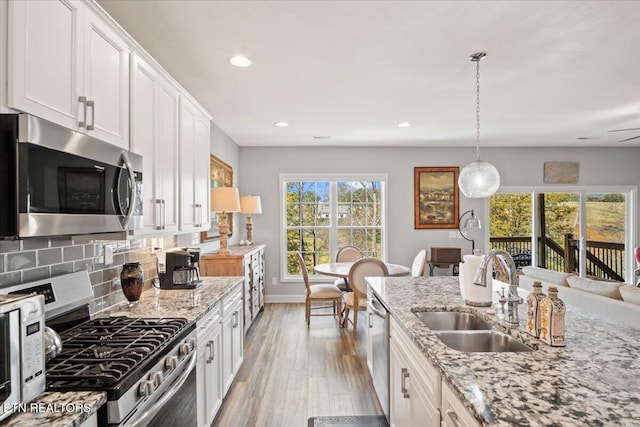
(349, 421)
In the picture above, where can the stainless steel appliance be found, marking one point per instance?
(22, 365)
(57, 181)
(181, 271)
(379, 324)
(146, 366)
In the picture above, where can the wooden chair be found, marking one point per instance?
(357, 299)
(419, 264)
(347, 254)
(320, 293)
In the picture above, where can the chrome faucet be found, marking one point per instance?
(513, 299)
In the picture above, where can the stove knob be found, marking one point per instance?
(185, 349)
(171, 363)
(156, 378)
(192, 343)
(146, 388)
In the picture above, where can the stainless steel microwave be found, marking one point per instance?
(55, 181)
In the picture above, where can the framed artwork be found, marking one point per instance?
(221, 175)
(436, 197)
(561, 172)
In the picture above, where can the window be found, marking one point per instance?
(588, 231)
(321, 213)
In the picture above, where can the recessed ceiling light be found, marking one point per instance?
(240, 61)
(322, 137)
(404, 125)
(281, 124)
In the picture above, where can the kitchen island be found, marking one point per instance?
(67, 409)
(594, 380)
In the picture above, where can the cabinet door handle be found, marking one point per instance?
(403, 385)
(158, 212)
(83, 101)
(453, 416)
(370, 320)
(236, 322)
(197, 211)
(211, 345)
(92, 104)
(164, 214)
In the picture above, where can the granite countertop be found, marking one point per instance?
(50, 408)
(593, 381)
(58, 409)
(190, 304)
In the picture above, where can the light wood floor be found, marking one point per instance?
(291, 373)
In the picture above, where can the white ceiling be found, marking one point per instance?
(555, 71)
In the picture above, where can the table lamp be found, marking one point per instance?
(470, 223)
(250, 205)
(223, 201)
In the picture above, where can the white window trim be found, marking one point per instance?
(285, 177)
(631, 215)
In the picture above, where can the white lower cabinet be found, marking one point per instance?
(232, 337)
(209, 366)
(414, 384)
(454, 413)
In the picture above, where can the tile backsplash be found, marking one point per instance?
(32, 259)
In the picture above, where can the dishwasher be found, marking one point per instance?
(379, 324)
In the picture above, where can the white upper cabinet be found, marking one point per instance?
(167, 152)
(194, 167)
(154, 135)
(69, 67)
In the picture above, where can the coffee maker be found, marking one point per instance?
(181, 270)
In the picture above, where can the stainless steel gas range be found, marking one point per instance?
(142, 364)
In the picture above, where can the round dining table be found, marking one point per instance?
(341, 269)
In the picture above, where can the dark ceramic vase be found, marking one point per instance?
(131, 280)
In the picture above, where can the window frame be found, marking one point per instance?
(631, 218)
(332, 178)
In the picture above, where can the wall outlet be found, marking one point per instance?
(453, 234)
(108, 254)
(274, 280)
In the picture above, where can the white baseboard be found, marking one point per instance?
(271, 299)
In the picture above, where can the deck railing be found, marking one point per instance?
(604, 259)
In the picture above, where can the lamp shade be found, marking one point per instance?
(225, 199)
(250, 205)
(479, 179)
(472, 222)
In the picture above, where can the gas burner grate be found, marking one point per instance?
(100, 353)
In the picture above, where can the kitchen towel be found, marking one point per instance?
(475, 295)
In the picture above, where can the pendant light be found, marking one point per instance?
(478, 179)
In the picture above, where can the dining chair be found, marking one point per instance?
(320, 293)
(347, 254)
(356, 300)
(419, 263)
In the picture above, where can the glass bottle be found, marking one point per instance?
(132, 280)
(552, 310)
(533, 309)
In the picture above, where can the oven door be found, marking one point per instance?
(174, 404)
(9, 362)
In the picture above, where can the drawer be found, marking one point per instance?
(210, 319)
(230, 299)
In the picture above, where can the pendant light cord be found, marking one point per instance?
(478, 109)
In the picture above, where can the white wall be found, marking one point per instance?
(259, 171)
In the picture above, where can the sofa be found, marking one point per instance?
(613, 300)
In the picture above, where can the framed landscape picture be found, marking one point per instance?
(221, 175)
(436, 198)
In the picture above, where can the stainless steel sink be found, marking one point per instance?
(452, 321)
(481, 341)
